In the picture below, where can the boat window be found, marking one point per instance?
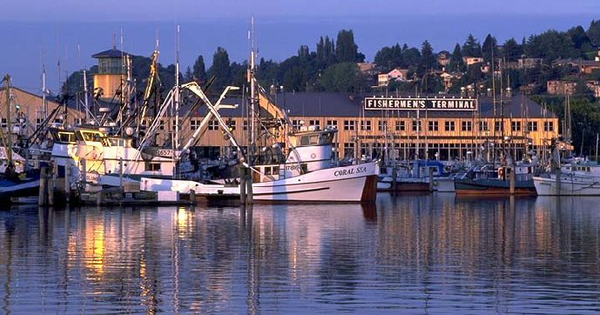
(304, 167)
(152, 167)
(326, 138)
(66, 137)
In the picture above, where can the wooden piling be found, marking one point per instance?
(242, 171)
(249, 192)
(67, 183)
(394, 178)
(42, 191)
(430, 179)
(121, 173)
(50, 186)
(193, 196)
(512, 179)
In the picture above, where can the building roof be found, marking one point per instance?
(111, 53)
(326, 104)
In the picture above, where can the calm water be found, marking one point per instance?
(411, 254)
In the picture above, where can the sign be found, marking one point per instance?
(420, 103)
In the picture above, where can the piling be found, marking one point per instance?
(242, 171)
(250, 194)
(67, 183)
(42, 191)
(557, 186)
(511, 177)
(50, 187)
(394, 179)
(121, 173)
(193, 196)
(430, 179)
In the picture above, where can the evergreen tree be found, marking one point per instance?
(427, 57)
(471, 48)
(390, 57)
(594, 32)
(220, 69)
(189, 76)
(342, 77)
(346, 49)
(456, 60)
(199, 71)
(580, 39)
(511, 50)
(489, 48)
(325, 52)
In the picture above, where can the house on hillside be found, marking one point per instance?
(443, 58)
(529, 63)
(472, 60)
(559, 87)
(367, 68)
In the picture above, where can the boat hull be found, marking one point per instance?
(355, 183)
(549, 187)
(492, 187)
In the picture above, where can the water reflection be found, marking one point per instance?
(419, 254)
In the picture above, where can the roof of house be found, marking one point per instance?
(327, 104)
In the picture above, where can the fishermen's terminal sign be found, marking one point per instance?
(420, 103)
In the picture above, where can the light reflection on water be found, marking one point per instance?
(417, 254)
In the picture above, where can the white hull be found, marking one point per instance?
(353, 183)
(568, 187)
(443, 184)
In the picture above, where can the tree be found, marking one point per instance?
(511, 50)
(471, 47)
(199, 71)
(325, 52)
(220, 69)
(427, 57)
(489, 48)
(551, 45)
(346, 49)
(580, 39)
(456, 60)
(342, 77)
(390, 57)
(594, 32)
(189, 76)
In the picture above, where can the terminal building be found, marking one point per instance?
(432, 127)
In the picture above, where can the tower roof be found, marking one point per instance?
(111, 53)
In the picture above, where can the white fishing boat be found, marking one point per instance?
(574, 179)
(309, 174)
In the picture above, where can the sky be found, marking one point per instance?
(41, 32)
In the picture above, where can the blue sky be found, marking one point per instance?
(42, 31)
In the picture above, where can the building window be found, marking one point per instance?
(467, 126)
(498, 126)
(450, 125)
(245, 125)
(548, 126)
(349, 124)
(314, 123)
(515, 126)
(232, 125)
(161, 125)
(400, 125)
(297, 124)
(484, 126)
(348, 149)
(332, 123)
(382, 125)
(433, 125)
(365, 125)
(416, 125)
(194, 124)
(213, 124)
(532, 126)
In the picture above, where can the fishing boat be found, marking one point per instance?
(487, 180)
(579, 178)
(417, 176)
(308, 174)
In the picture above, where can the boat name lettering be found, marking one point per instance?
(352, 171)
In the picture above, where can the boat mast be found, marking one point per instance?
(176, 98)
(251, 77)
(8, 124)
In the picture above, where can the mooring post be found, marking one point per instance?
(42, 191)
(558, 184)
(121, 173)
(250, 194)
(50, 186)
(394, 179)
(430, 169)
(242, 172)
(193, 196)
(67, 183)
(512, 179)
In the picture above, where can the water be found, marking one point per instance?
(409, 254)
